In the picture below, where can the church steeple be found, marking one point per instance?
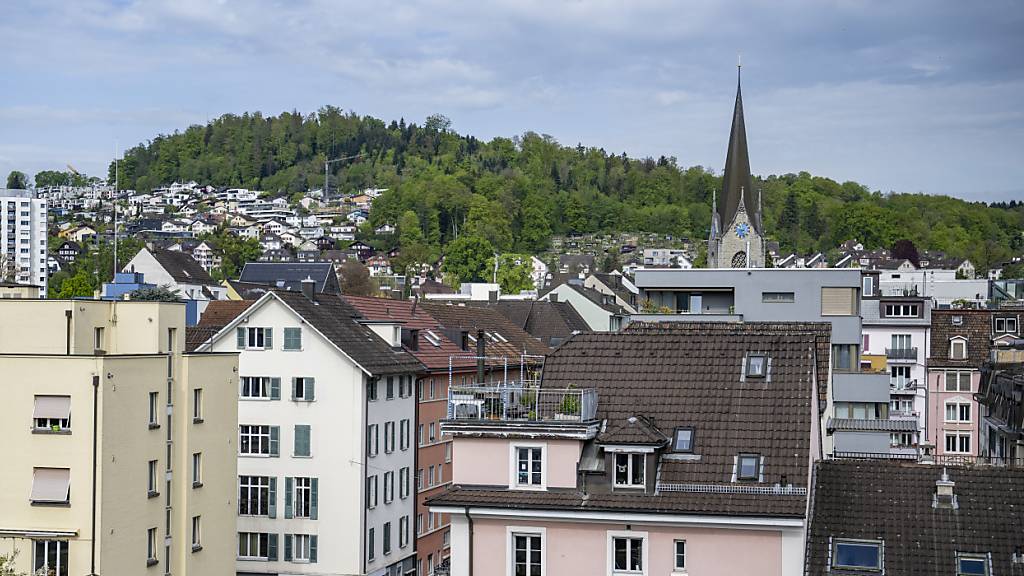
(736, 180)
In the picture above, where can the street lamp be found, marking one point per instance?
(327, 165)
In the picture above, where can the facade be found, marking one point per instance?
(737, 235)
(106, 477)
(181, 274)
(325, 456)
(15, 290)
(897, 335)
(23, 238)
(1002, 398)
(599, 311)
(680, 453)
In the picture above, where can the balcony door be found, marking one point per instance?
(901, 342)
(899, 376)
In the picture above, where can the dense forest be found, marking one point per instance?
(515, 193)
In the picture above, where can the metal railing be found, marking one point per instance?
(901, 353)
(941, 460)
(900, 385)
(521, 403)
(903, 414)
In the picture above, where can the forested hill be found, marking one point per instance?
(517, 192)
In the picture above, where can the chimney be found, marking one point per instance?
(492, 296)
(553, 297)
(944, 496)
(481, 352)
(411, 338)
(309, 289)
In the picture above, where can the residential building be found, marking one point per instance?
(944, 287)
(896, 337)
(69, 251)
(666, 258)
(123, 459)
(658, 451)
(23, 238)
(15, 290)
(888, 517)
(289, 275)
(617, 285)
(960, 344)
(206, 256)
(324, 472)
(600, 311)
(179, 273)
(550, 322)
(1002, 398)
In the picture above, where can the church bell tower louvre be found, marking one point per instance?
(737, 236)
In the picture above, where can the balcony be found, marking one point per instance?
(515, 403)
(903, 414)
(903, 386)
(901, 354)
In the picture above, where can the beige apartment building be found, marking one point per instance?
(120, 447)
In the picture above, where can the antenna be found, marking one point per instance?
(114, 199)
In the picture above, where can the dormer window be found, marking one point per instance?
(757, 366)
(857, 555)
(748, 467)
(958, 320)
(629, 470)
(1006, 325)
(682, 441)
(958, 348)
(972, 564)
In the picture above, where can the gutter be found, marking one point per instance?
(469, 521)
(95, 427)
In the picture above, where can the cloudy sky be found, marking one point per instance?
(914, 95)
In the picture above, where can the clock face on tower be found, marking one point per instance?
(742, 229)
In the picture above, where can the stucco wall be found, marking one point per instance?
(937, 425)
(486, 461)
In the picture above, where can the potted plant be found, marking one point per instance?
(569, 407)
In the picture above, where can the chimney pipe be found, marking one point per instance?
(481, 352)
(309, 289)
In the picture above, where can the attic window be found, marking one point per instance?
(958, 348)
(958, 320)
(857, 554)
(432, 338)
(757, 366)
(683, 440)
(748, 467)
(972, 564)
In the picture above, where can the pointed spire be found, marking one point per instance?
(736, 180)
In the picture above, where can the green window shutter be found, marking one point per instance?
(312, 549)
(268, 338)
(308, 389)
(275, 388)
(271, 546)
(275, 440)
(288, 489)
(302, 439)
(240, 338)
(314, 496)
(287, 547)
(272, 496)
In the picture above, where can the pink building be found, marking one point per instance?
(668, 450)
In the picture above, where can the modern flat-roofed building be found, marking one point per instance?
(122, 445)
(23, 238)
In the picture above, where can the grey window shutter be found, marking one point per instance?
(275, 440)
(240, 338)
(308, 389)
(295, 382)
(312, 547)
(268, 338)
(275, 388)
(272, 496)
(314, 496)
(287, 547)
(302, 439)
(271, 546)
(288, 489)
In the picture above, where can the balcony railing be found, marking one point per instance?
(902, 385)
(522, 403)
(901, 353)
(903, 414)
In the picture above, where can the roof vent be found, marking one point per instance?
(944, 496)
(1018, 556)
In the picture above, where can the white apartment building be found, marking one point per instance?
(23, 236)
(326, 412)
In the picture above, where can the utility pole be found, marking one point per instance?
(327, 164)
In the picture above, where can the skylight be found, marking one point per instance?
(683, 440)
(757, 366)
(432, 338)
(858, 554)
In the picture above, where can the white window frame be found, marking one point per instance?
(259, 434)
(631, 458)
(298, 547)
(251, 337)
(676, 568)
(260, 486)
(197, 533)
(853, 542)
(264, 383)
(302, 497)
(952, 347)
(510, 546)
(976, 557)
(644, 557)
(260, 554)
(959, 435)
(513, 466)
(957, 403)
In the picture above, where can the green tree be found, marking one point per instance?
(78, 286)
(412, 247)
(468, 259)
(17, 180)
(610, 262)
(7, 564)
(514, 272)
(355, 279)
(157, 294)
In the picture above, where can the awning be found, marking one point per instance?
(50, 484)
(58, 407)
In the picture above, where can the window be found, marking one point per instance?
(258, 440)
(255, 338)
(843, 356)
(300, 547)
(385, 539)
(448, 452)
(899, 376)
(197, 469)
(433, 436)
(902, 310)
(97, 339)
(1006, 325)
(958, 381)
(151, 547)
(629, 470)
(628, 554)
(446, 538)
(389, 437)
(372, 447)
(304, 497)
(52, 413)
(257, 546)
(527, 554)
(419, 479)
(154, 409)
(389, 487)
(679, 555)
(748, 467)
(430, 476)
(151, 487)
(197, 541)
(419, 390)
(371, 389)
(433, 383)
(403, 442)
(419, 435)
(197, 405)
(419, 524)
(857, 555)
(957, 320)
(390, 387)
(370, 546)
(777, 297)
(838, 301)
(958, 348)
(757, 366)
(972, 564)
(256, 495)
(683, 440)
(303, 388)
(529, 466)
(901, 439)
(403, 483)
(901, 341)
(302, 441)
(958, 412)
(403, 532)
(371, 491)
(293, 338)
(51, 486)
(260, 387)
(50, 557)
(868, 286)
(958, 442)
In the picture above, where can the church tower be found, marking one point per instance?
(737, 236)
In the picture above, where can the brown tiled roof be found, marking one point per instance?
(182, 267)
(218, 314)
(822, 332)
(892, 501)
(550, 322)
(635, 430)
(976, 327)
(472, 318)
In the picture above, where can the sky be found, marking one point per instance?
(907, 96)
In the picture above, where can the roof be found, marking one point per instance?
(976, 327)
(881, 425)
(614, 283)
(249, 290)
(596, 297)
(182, 267)
(736, 179)
(892, 501)
(291, 274)
(550, 322)
(871, 312)
(474, 318)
